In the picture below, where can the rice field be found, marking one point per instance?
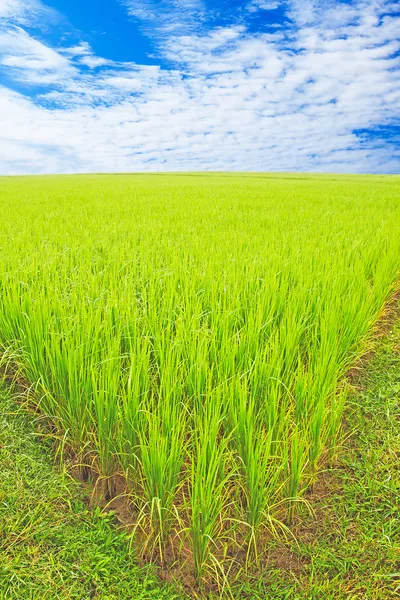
(187, 339)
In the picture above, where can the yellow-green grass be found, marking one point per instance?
(191, 333)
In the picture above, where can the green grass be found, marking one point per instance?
(191, 333)
(51, 545)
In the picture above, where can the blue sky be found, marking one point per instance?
(173, 85)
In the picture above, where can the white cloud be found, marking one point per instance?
(15, 8)
(166, 17)
(126, 84)
(256, 5)
(25, 12)
(233, 101)
(31, 60)
(95, 61)
(84, 54)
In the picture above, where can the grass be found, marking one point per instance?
(51, 544)
(189, 335)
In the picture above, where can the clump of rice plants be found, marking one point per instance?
(191, 333)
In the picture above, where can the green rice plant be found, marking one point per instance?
(134, 395)
(334, 429)
(295, 454)
(162, 451)
(259, 469)
(211, 478)
(192, 333)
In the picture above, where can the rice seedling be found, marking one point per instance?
(192, 333)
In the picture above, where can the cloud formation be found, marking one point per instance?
(255, 5)
(313, 96)
(162, 18)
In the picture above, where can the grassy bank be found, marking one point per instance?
(52, 547)
(350, 547)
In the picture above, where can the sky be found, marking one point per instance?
(199, 85)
